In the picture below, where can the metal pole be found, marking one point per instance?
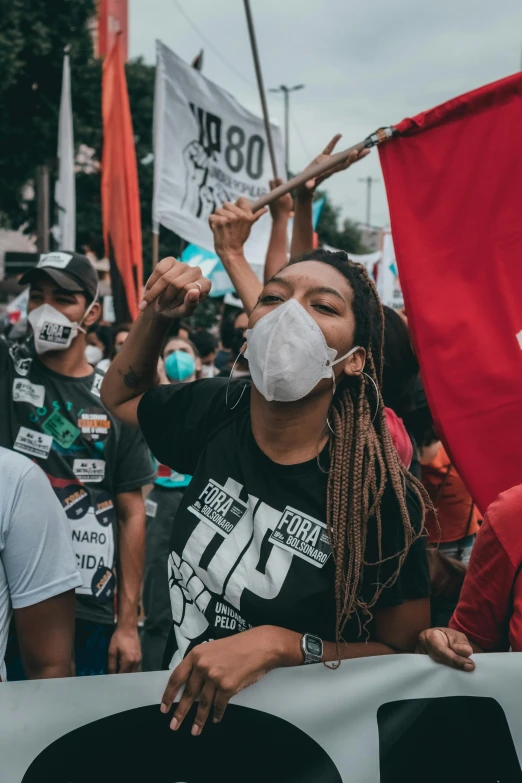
(42, 205)
(259, 76)
(286, 93)
(368, 182)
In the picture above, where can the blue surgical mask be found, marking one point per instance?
(179, 366)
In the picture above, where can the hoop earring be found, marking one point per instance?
(245, 386)
(376, 392)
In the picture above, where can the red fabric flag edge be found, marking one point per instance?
(482, 98)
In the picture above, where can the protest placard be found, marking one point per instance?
(373, 720)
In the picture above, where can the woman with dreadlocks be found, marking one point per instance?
(301, 527)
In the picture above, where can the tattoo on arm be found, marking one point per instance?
(131, 379)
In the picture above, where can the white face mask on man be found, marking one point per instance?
(52, 330)
(288, 354)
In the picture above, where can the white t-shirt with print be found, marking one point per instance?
(36, 555)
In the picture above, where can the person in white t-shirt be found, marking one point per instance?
(38, 573)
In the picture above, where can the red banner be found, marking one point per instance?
(112, 19)
(120, 191)
(454, 183)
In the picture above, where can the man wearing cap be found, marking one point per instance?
(50, 410)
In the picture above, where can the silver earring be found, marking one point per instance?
(245, 386)
(376, 392)
(329, 426)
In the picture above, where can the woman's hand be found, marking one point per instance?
(281, 208)
(231, 225)
(175, 289)
(216, 671)
(307, 190)
(447, 646)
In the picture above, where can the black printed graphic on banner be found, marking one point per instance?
(304, 536)
(219, 508)
(75, 500)
(262, 747)
(104, 509)
(103, 585)
(208, 184)
(428, 740)
(94, 424)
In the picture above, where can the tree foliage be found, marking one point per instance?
(346, 236)
(32, 40)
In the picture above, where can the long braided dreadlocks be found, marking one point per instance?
(363, 458)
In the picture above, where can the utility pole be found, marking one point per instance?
(286, 95)
(42, 206)
(369, 182)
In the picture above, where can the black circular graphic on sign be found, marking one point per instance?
(103, 584)
(94, 424)
(75, 499)
(104, 509)
(248, 745)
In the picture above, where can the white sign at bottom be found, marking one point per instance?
(398, 719)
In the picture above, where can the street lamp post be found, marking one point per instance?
(369, 182)
(286, 95)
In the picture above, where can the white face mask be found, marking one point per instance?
(288, 354)
(52, 330)
(93, 354)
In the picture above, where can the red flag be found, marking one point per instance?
(454, 183)
(120, 191)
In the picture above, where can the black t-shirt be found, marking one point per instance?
(89, 457)
(249, 544)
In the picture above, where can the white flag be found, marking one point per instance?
(388, 283)
(208, 149)
(65, 191)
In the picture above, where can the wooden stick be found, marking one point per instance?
(259, 75)
(310, 173)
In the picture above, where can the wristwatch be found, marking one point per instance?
(312, 647)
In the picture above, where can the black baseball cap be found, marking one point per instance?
(70, 270)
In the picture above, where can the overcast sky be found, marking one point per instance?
(364, 64)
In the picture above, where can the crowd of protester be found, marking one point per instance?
(279, 474)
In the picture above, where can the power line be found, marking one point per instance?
(210, 45)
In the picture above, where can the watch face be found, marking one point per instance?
(314, 645)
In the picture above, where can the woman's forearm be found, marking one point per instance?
(134, 369)
(289, 653)
(303, 232)
(245, 281)
(348, 650)
(276, 254)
